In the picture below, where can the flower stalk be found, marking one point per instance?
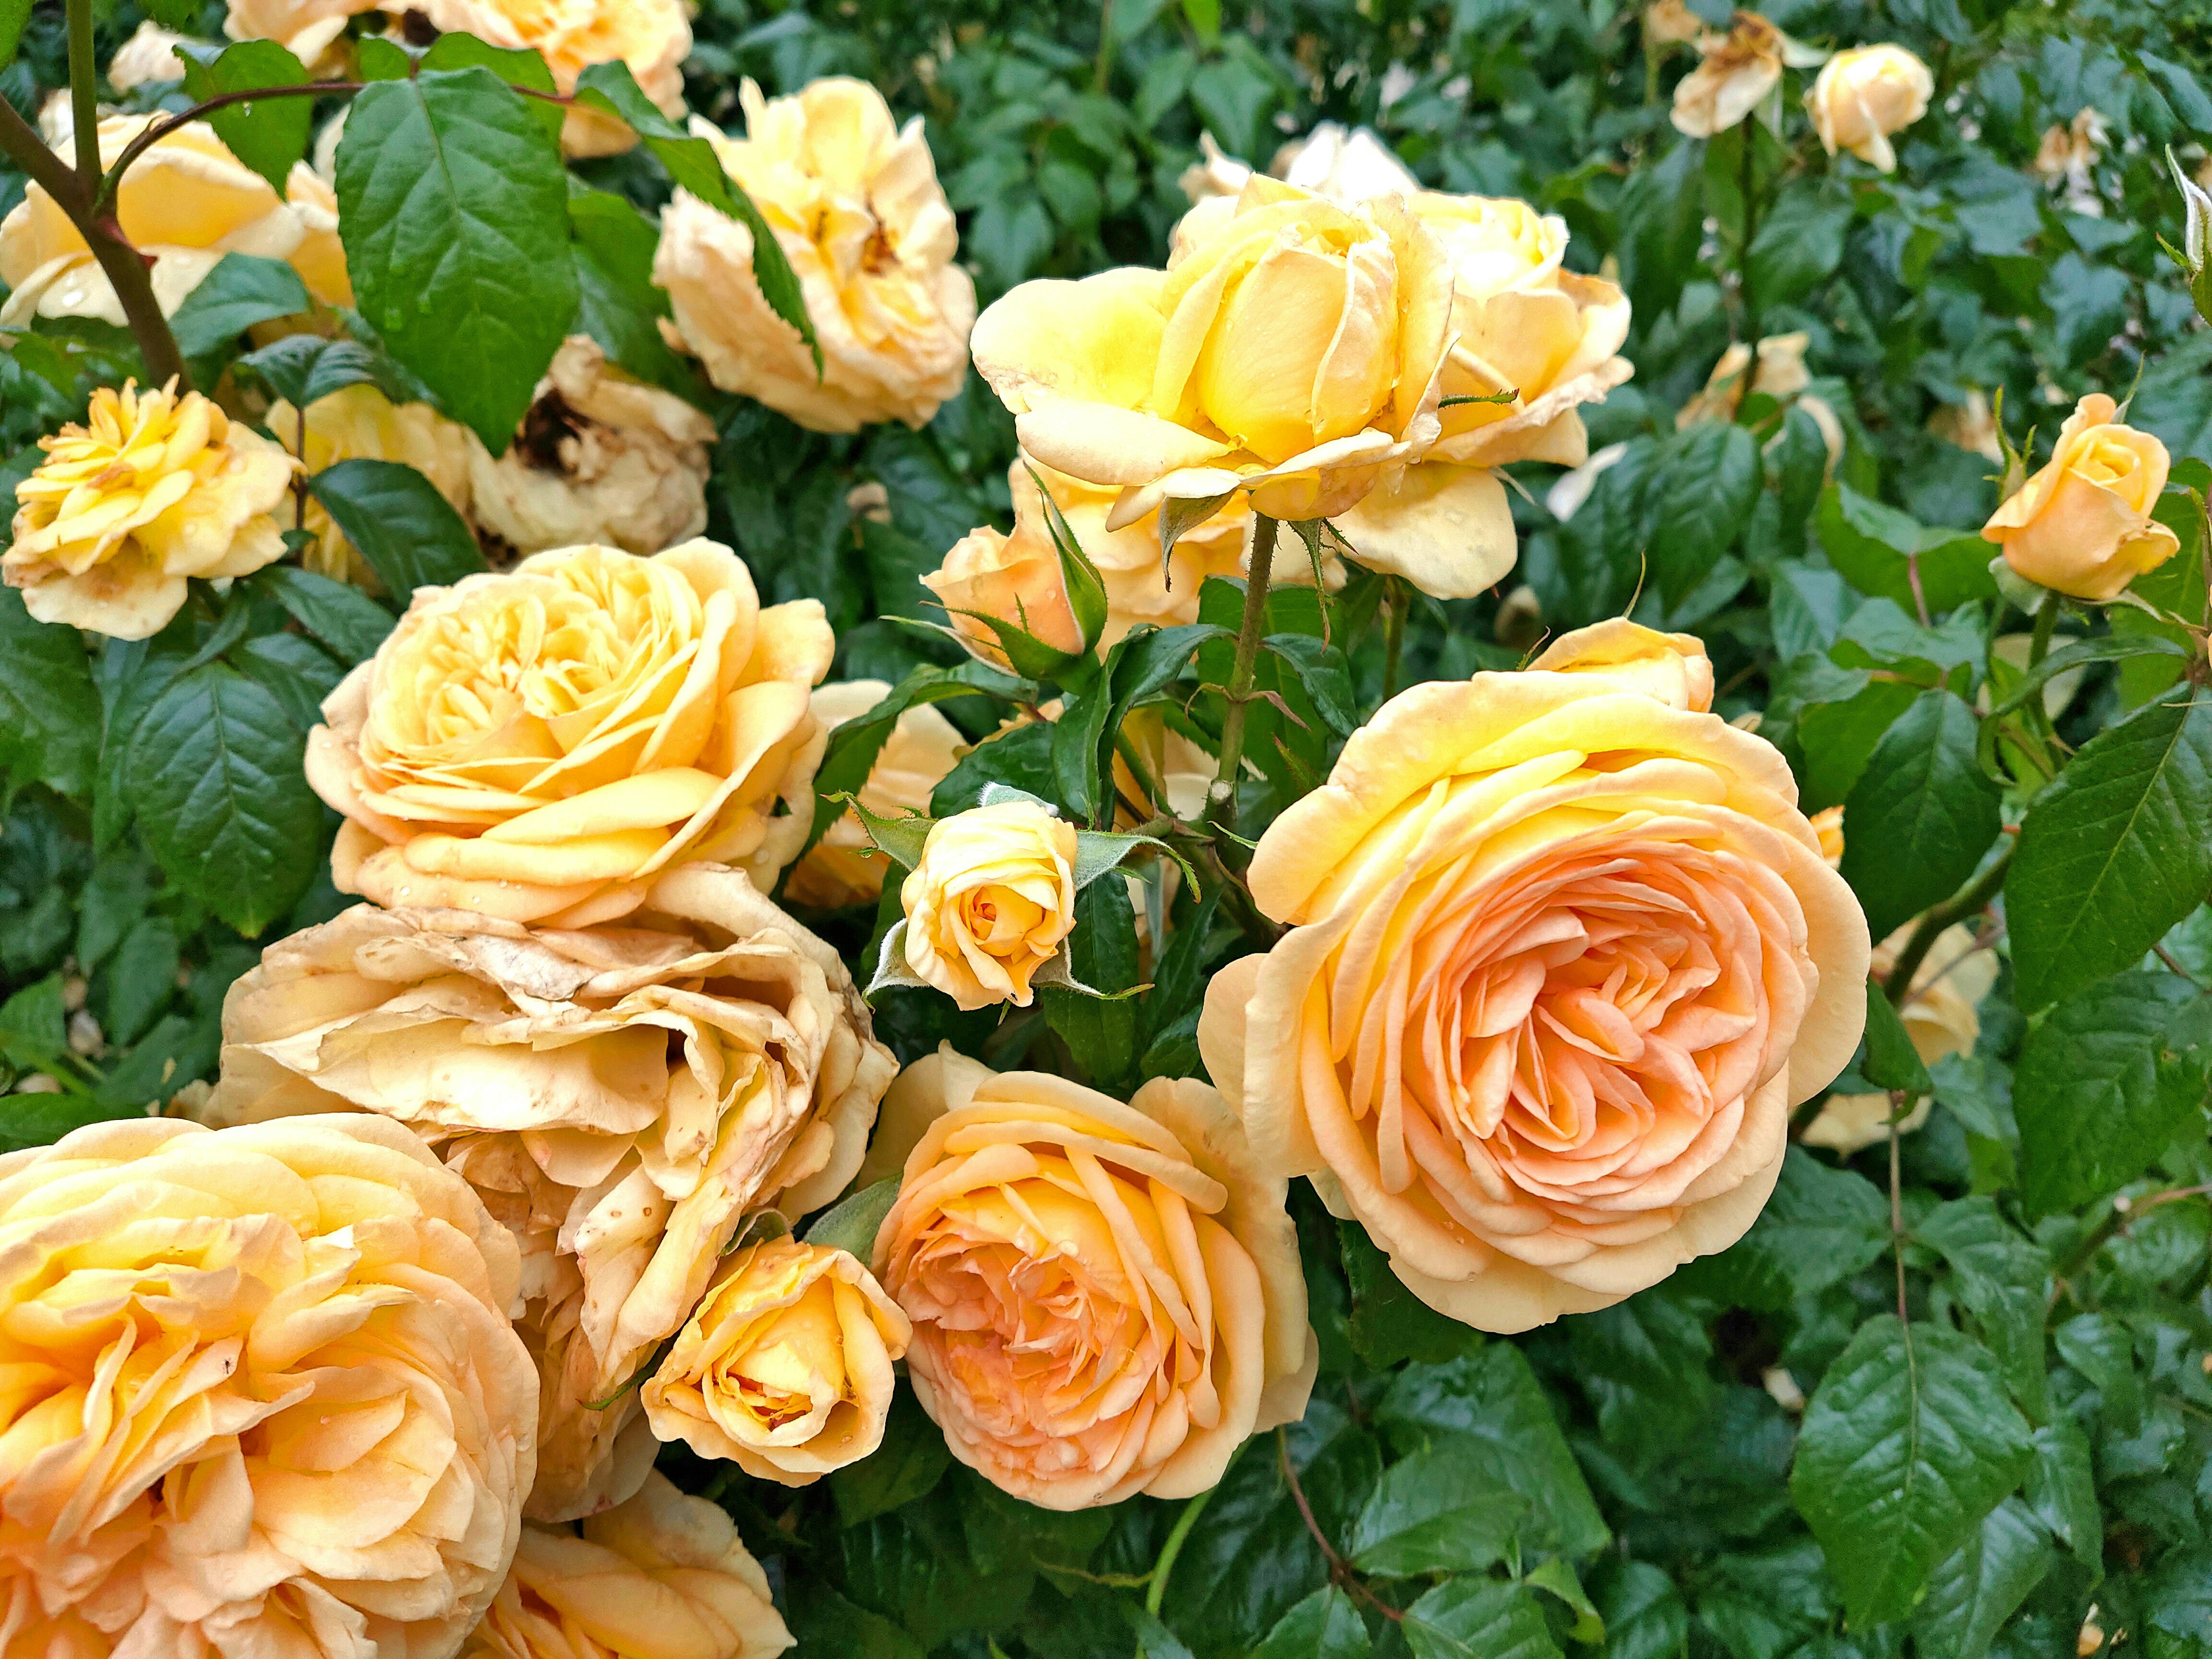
(1221, 798)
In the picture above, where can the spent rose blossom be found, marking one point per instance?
(990, 903)
(1971, 425)
(1941, 1016)
(1106, 1299)
(653, 37)
(784, 1368)
(661, 1575)
(152, 489)
(1864, 96)
(1737, 73)
(540, 743)
(853, 200)
(621, 1097)
(1780, 373)
(2082, 525)
(265, 1397)
(359, 423)
(1290, 351)
(1563, 954)
(844, 867)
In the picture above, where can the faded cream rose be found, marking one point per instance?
(1350, 165)
(151, 490)
(148, 55)
(621, 1096)
(844, 867)
(1737, 72)
(785, 1369)
(539, 744)
(359, 423)
(1940, 1015)
(990, 903)
(310, 29)
(1563, 954)
(1780, 374)
(662, 1576)
(1013, 578)
(600, 457)
(2082, 525)
(1106, 1299)
(653, 37)
(186, 203)
(2066, 160)
(263, 1398)
(1290, 352)
(1864, 96)
(854, 203)
(1971, 425)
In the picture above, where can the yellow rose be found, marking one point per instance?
(152, 489)
(601, 457)
(786, 1367)
(1781, 374)
(1737, 72)
(1016, 578)
(1564, 953)
(1290, 350)
(1940, 1015)
(620, 1096)
(663, 1575)
(854, 203)
(263, 1394)
(1865, 95)
(1671, 23)
(186, 203)
(1828, 826)
(149, 55)
(1106, 1299)
(653, 37)
(990, 902)
(310, 29)
(538, 744)
(844, 867)
(2082, 525)
(360, 423)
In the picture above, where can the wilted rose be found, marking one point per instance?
(1738, 72)
(844, 867)
(2082, 525)
(1866, 94)
(990, 902)
(359, 423)
(1941, 1016)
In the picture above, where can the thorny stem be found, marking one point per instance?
(1221, 798)
(1970, 902)
(1156, 1593)
(84, 98)
(1341, 1571)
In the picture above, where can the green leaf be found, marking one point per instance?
(2112, 1077)
(49, 714)
(1982, 1584)
(1646, 1364)
(909, 1463)
(616, 303)
(1327, 677)
(1389, 1322)
(1822, 1225)
(1641, 1609)
(1889, 1061)
(1448, 1508)
(14, 13)
(518, 66)
(2111, 647)
(855, 744)
(2003, 1278)
(1474, 1618)
(2113, 853)
(1102, 953)
(1878, 550)
(1154, 1639)
(2062, 1491)
(1325, 1625)
(302, 368)
(852, 1222)
(140, 979)
(1020, 759)
(914, 1565)
(338, 614)
(1708, 479)
(455, 210)
(2101, 1349)
(1908, 1442)
(268, 135)
(409, 532)
(612, 88)
(828, 1626)
(215, 772)
(1922, 814)
(241, 290)
(1203, 16)
(1837, 736)
(1799, 244)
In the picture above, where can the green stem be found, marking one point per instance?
(1156, 1593)
(1750, 188)
(84, 97)
(1898, 1107)
(1395, 604)
(1221, 798)
(1102, 75)
(1971, 901)
(2046, 619)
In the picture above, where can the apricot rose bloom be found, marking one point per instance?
(653, 37)
(359, 423)
(539, 744)
(853, 200)
(663, 1575)
(620, 1096)
(1290, 351)
(1942, 1015)
(1737, 73)
(786, 1367)
(2082, 525)
(990, 903)
(1106, 1299)
(186, 203)
(1016, 578)
(152, 489)
(263, 1395)
(1864, 95)
(844, 867)
(1564, 953)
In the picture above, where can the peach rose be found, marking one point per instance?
(1016, 578)
(1941, 1016)
(360, 423)
(152, 489)
(1738, 72)
(538, 744)
(785, 1369)
(1290, 351)
(2082, 525)
(1864, 95)
(663, 1575)
(1106, 1299)
(601, 457)
(844, 867)
(262, 1396)
(1564, 953)
(621, 1097)
(989, 904)
(854, 203)
(1828, 826)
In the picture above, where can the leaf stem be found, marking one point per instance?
(1155, 1592)
(1221, 798)
(1971, 901)
(1898, 1101)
